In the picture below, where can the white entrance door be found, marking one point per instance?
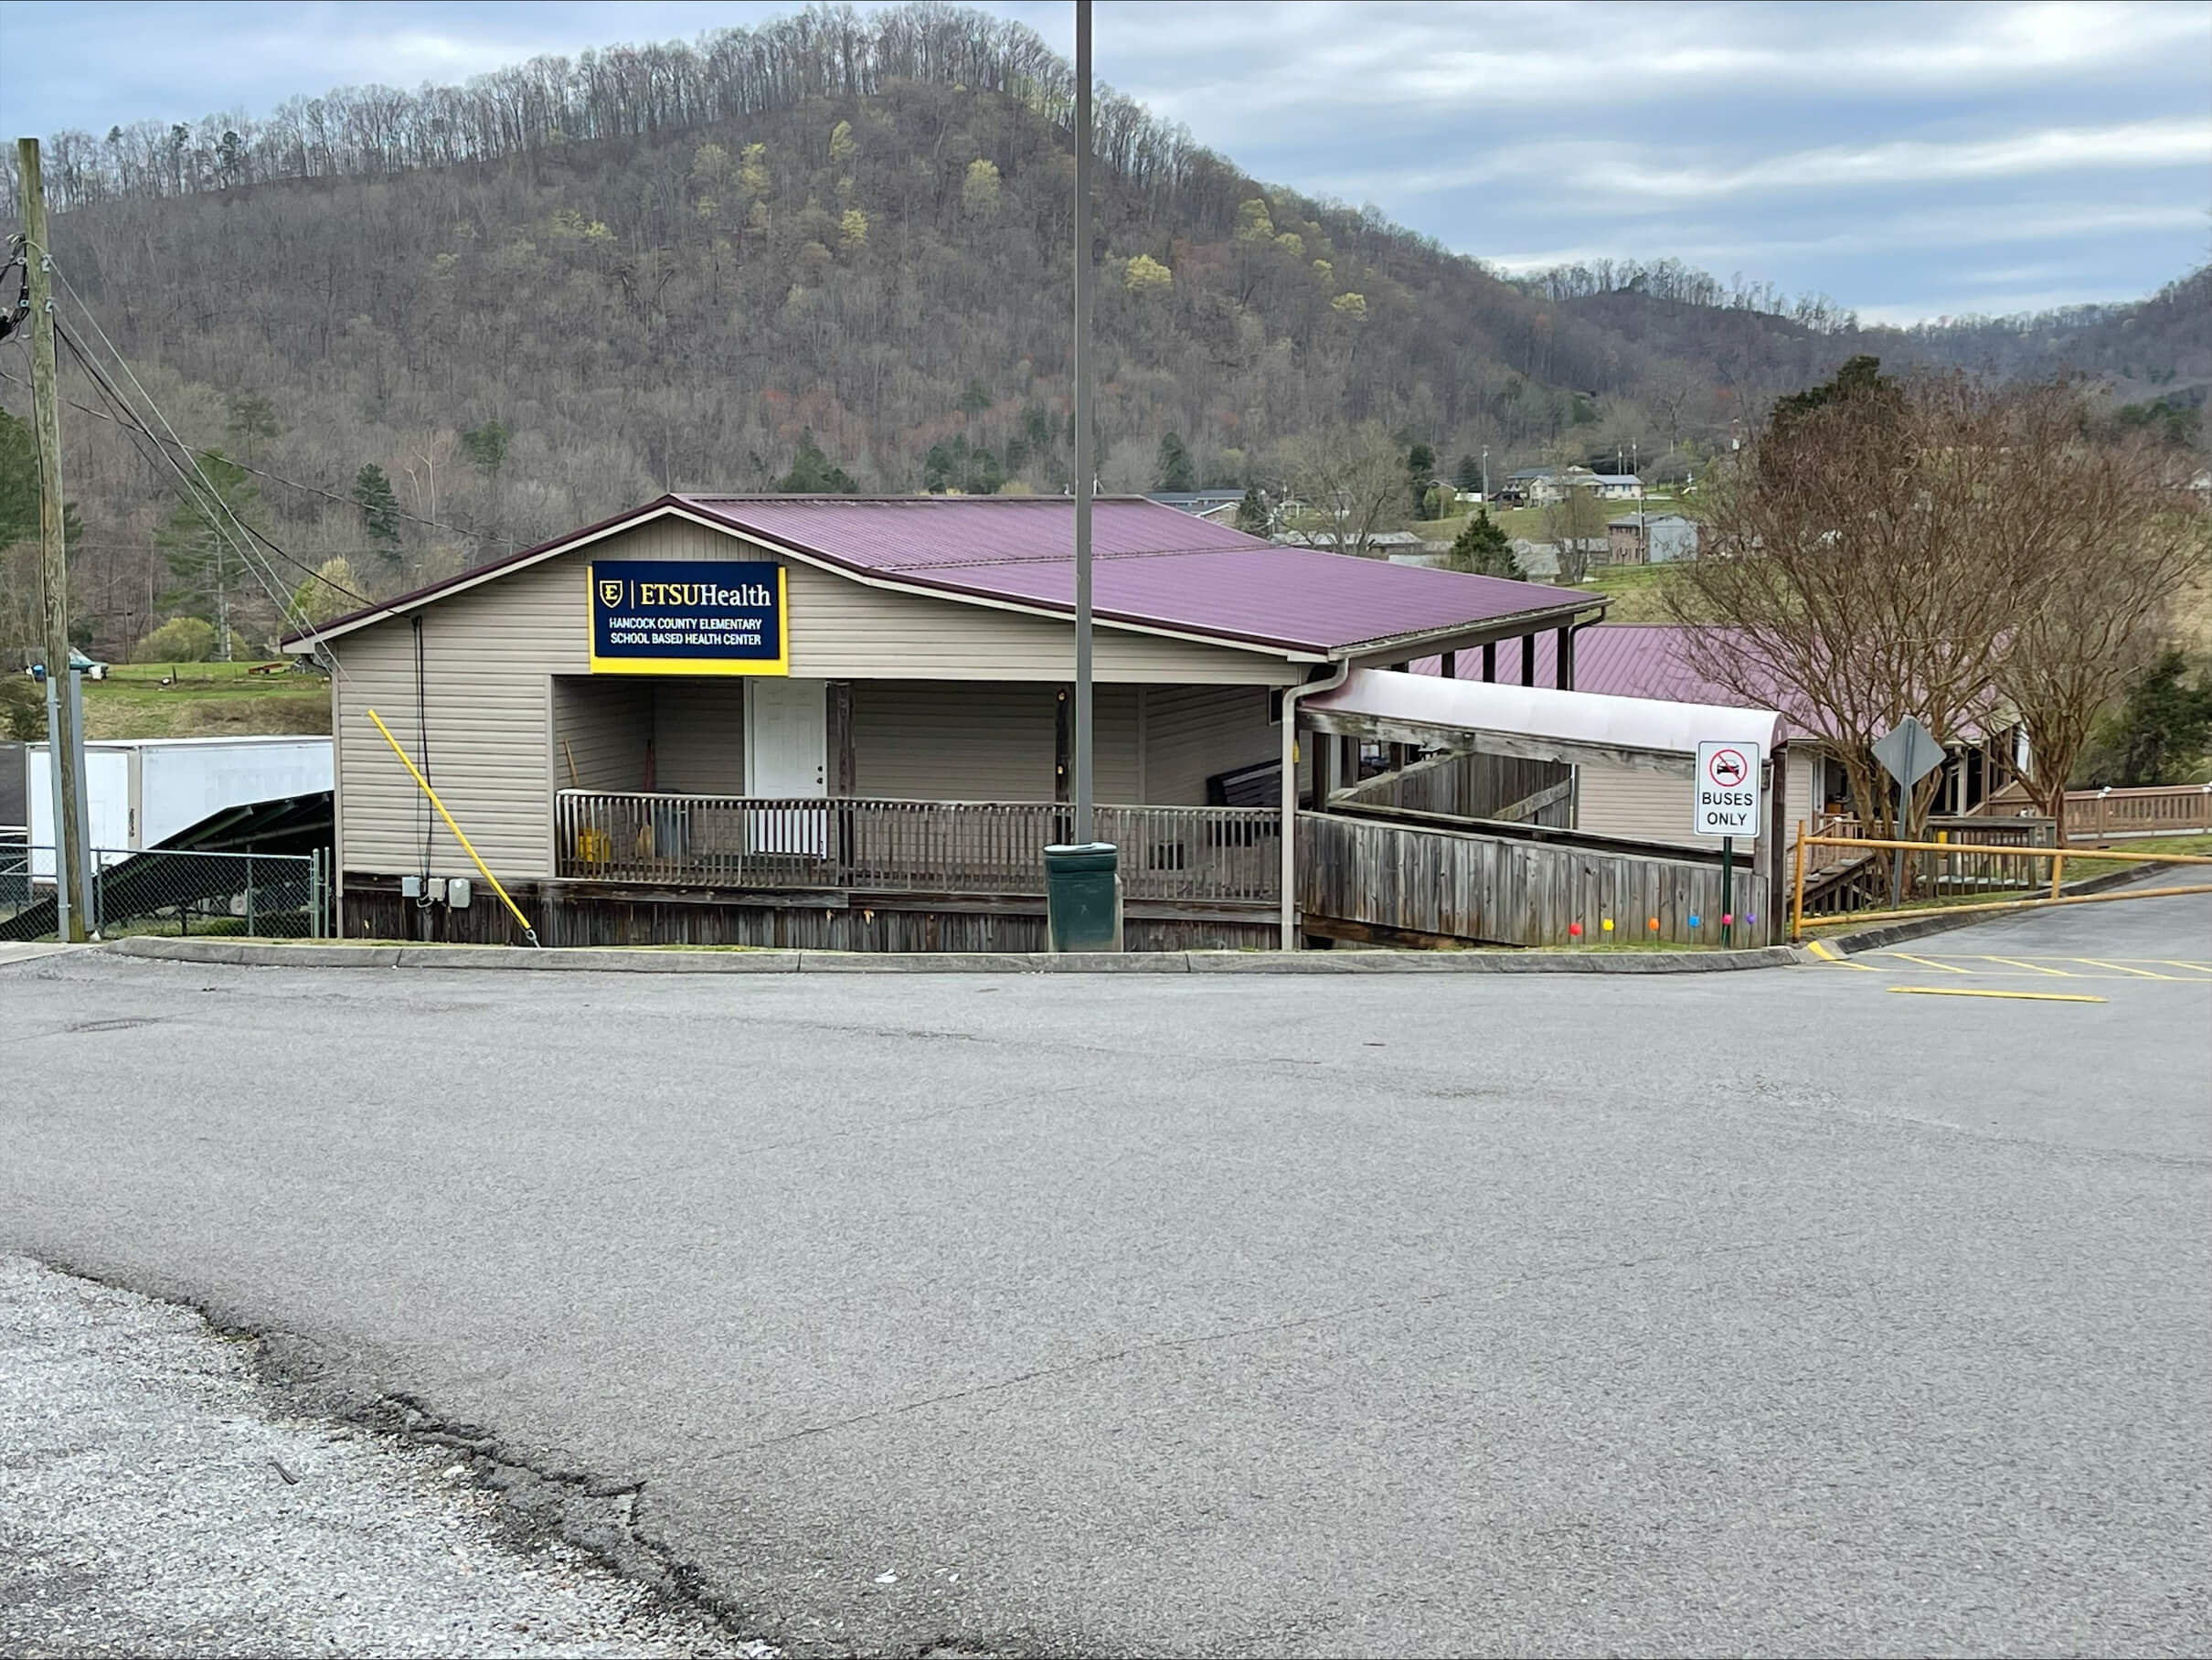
(787, 754)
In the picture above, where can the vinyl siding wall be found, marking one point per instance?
(601, 730)
(698, 736)
(1646, 807)
(494, 659)
(1194, 732)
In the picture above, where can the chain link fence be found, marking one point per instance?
(246, 895)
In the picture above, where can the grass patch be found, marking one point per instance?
(2199, 845)
(1638, 592)
(204, 700)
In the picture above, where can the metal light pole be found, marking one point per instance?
(1085, 829)
(1082, 882)
(1485, 475)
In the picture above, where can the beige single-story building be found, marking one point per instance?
(846, 721)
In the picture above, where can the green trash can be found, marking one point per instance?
(1083, 896)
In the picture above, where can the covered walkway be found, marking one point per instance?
(1407, 873)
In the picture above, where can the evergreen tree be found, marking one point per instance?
(19, 491)
(1483, 549)
(487, 446)
(379, 505)
(1173, 470)
(197, 544)
(961, 468)
(1251, 512)
(253, 421)
(1468, 474)
(814, 473)
(1421, 473)
(2161, 731)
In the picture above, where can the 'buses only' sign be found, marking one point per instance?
(1727, 790)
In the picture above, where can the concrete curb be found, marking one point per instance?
(241, 953)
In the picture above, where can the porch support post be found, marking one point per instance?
(844, 764)
(1452, 665)
(1528, 659)
(1490, 662)
(1063, 744)
(1563, 669)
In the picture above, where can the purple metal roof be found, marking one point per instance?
(1621, 660)
(1152, 564)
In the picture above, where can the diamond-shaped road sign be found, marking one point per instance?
(1909, 751)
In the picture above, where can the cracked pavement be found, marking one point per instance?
(1760, 1312)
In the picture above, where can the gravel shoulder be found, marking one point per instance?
(156, 1497)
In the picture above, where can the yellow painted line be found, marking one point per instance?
(2202, 968)
(2123, 968)
(1928, 963)
(2031, 967)
(1973, 991)
(1834, 958)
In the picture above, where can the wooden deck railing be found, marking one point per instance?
(1206, 855)
(2175, 810)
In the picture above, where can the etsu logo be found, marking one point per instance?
(610, 591)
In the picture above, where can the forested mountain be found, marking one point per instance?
(831, 251)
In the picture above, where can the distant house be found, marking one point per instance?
(1215, 506)
(1533, 486)
(1403, 546)
(1650, 538)
(1539, 561)
(1540, 486)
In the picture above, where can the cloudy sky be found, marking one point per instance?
(1912, 161)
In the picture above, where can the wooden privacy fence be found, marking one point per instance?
(1419, 882)
(1209, 854)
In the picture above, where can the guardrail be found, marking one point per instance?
(1209, 854)
(1946, 875)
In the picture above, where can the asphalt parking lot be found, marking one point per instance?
(1774, 1312)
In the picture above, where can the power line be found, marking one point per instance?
(293, 483)
(197, 498)
(286, 606)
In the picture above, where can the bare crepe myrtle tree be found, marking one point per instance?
(1352, 481)
(1873, 555)
(2123, 541)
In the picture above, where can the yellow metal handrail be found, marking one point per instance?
(528, 932)
(2058, 855)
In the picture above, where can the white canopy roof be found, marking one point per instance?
(1541, 716)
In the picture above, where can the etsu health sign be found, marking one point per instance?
(688, 617)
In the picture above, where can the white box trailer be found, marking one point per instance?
(140, 791)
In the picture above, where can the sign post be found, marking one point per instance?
(1726, 804)
(1909, 752)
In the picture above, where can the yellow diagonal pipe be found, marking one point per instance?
(528, 932)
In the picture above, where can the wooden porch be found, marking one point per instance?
(1213, 856)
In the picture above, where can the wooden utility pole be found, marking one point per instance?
(54, 569)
